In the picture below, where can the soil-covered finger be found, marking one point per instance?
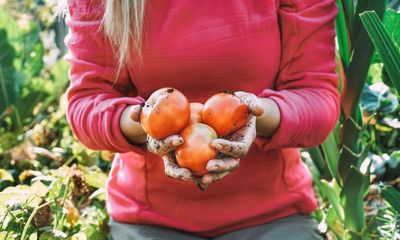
(209, 178)
(231, 148)
(173, 170)
(162, 147)
(223, 165)
(254, 105)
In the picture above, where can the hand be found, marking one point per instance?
(130, 126)
(236, 145)
(165, 149)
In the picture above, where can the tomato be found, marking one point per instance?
(225, 113)
(196, 110)
(165, 113)
(196, 149)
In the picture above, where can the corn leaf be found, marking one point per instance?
(319, 162)
(331, 153)
(390, 195)
(352, 196)
(343, 35)
(360, 59)
(391, 21)
(332, 192)
(351, 133)
(388, 51)
(349, 158)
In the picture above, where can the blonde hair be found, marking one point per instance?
(123, 24)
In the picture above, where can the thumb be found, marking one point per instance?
(135, 112)
(256, 107)
(252, 102)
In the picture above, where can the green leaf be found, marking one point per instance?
(349, 158)
(7, 235)
(388, 51)
(360, 60)
(8, 23)
(59, 74)
(79, 236)
(342, 31)
(333, 223)
(319, 162)
(351, 133)
(9, 87)
(354, 189)
(331, 153)
(94, 176)
(23, 194)
(349, 12)
(34, 60)
(391, 21)
(46, 236)
(331, 191)
(390, 195)
(346, 160)
(6, 176)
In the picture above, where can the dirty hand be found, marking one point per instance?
(236, 145)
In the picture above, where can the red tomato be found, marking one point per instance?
(225, 113)
(165, 113)
(196, 110)
(196, 150)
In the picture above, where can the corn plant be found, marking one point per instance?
(339, 167)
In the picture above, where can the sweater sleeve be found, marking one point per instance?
(95, 98)
(306, 87)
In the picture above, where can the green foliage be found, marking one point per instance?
(60, 203)
(391, 196)
(51, 186)
(9, 82)
(390, 21)
(341, 165)
(385, 45)
(386, 224)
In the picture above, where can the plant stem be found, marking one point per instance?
(69, 160)
(3, 87)
(18, 119)
(31, 217)
(61, 222)
(3, 220)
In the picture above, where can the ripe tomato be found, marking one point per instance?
(225, 113)
(166, 112)
(196, 110)
(196, 149)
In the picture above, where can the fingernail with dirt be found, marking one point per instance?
(217, 146)
(207, 180)
(176, 142)
(214, 168)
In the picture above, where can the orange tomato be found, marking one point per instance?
(165, 113)
(225, 113)
(196, 110)
(196, 150)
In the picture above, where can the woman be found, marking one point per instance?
(278, 56)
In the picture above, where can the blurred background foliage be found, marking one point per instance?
(52, 187)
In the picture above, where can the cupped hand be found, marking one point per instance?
(158, 147)
(236, 145)
(164, 146)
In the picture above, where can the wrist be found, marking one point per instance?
(269, 121)
(132, 130)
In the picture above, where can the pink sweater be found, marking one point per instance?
(283, 50)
